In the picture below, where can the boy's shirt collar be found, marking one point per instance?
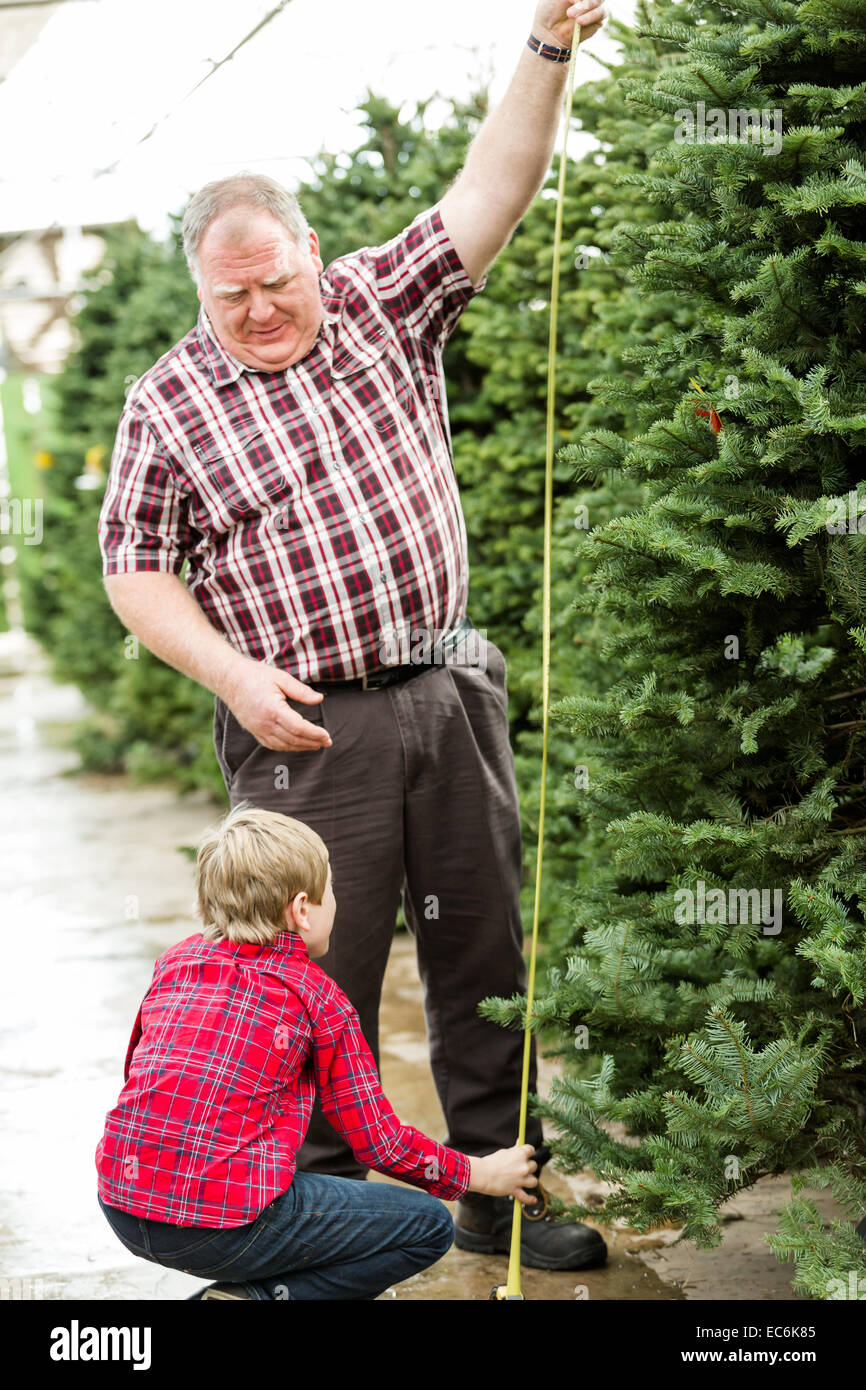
(288, 943)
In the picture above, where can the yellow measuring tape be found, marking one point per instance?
(512, 1286)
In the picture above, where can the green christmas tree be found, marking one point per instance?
(500, 464)
(714, 974)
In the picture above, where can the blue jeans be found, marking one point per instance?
(325, 1238)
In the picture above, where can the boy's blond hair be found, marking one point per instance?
(249, 868)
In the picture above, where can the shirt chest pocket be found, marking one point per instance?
(374, 388)
(245, 470)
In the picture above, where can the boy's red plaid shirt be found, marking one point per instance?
(230, 1045)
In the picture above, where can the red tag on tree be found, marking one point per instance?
(710, 415)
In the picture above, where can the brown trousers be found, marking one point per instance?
(416, 796)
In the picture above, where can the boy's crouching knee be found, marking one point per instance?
(441, 1229)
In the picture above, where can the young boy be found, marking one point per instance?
(237, 1032)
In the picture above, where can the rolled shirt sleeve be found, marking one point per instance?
(142, 524)
(351, 1096)
(421, 279)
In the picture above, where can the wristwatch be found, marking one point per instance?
(548, 50)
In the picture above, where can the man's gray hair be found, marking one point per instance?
(240, 190)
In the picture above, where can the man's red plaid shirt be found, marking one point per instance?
(317, 507)
(230, 1045)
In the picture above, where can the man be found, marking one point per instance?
(294, 450)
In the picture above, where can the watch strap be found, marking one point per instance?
(548, 50)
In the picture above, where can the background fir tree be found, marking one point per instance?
(501, 466)
(724, 731)
(137, 303)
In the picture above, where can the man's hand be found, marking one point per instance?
(166, 617)
(256, 695)
(556, 20)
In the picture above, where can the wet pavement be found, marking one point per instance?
(93, 887)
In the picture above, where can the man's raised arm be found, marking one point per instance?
(510, 156)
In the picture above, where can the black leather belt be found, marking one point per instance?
(393, 675)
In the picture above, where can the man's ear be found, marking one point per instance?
(314, 252)
(198, 292)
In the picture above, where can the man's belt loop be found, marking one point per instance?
(379, 680)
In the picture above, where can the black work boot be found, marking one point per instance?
(483, 1224)
(232, 1292)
